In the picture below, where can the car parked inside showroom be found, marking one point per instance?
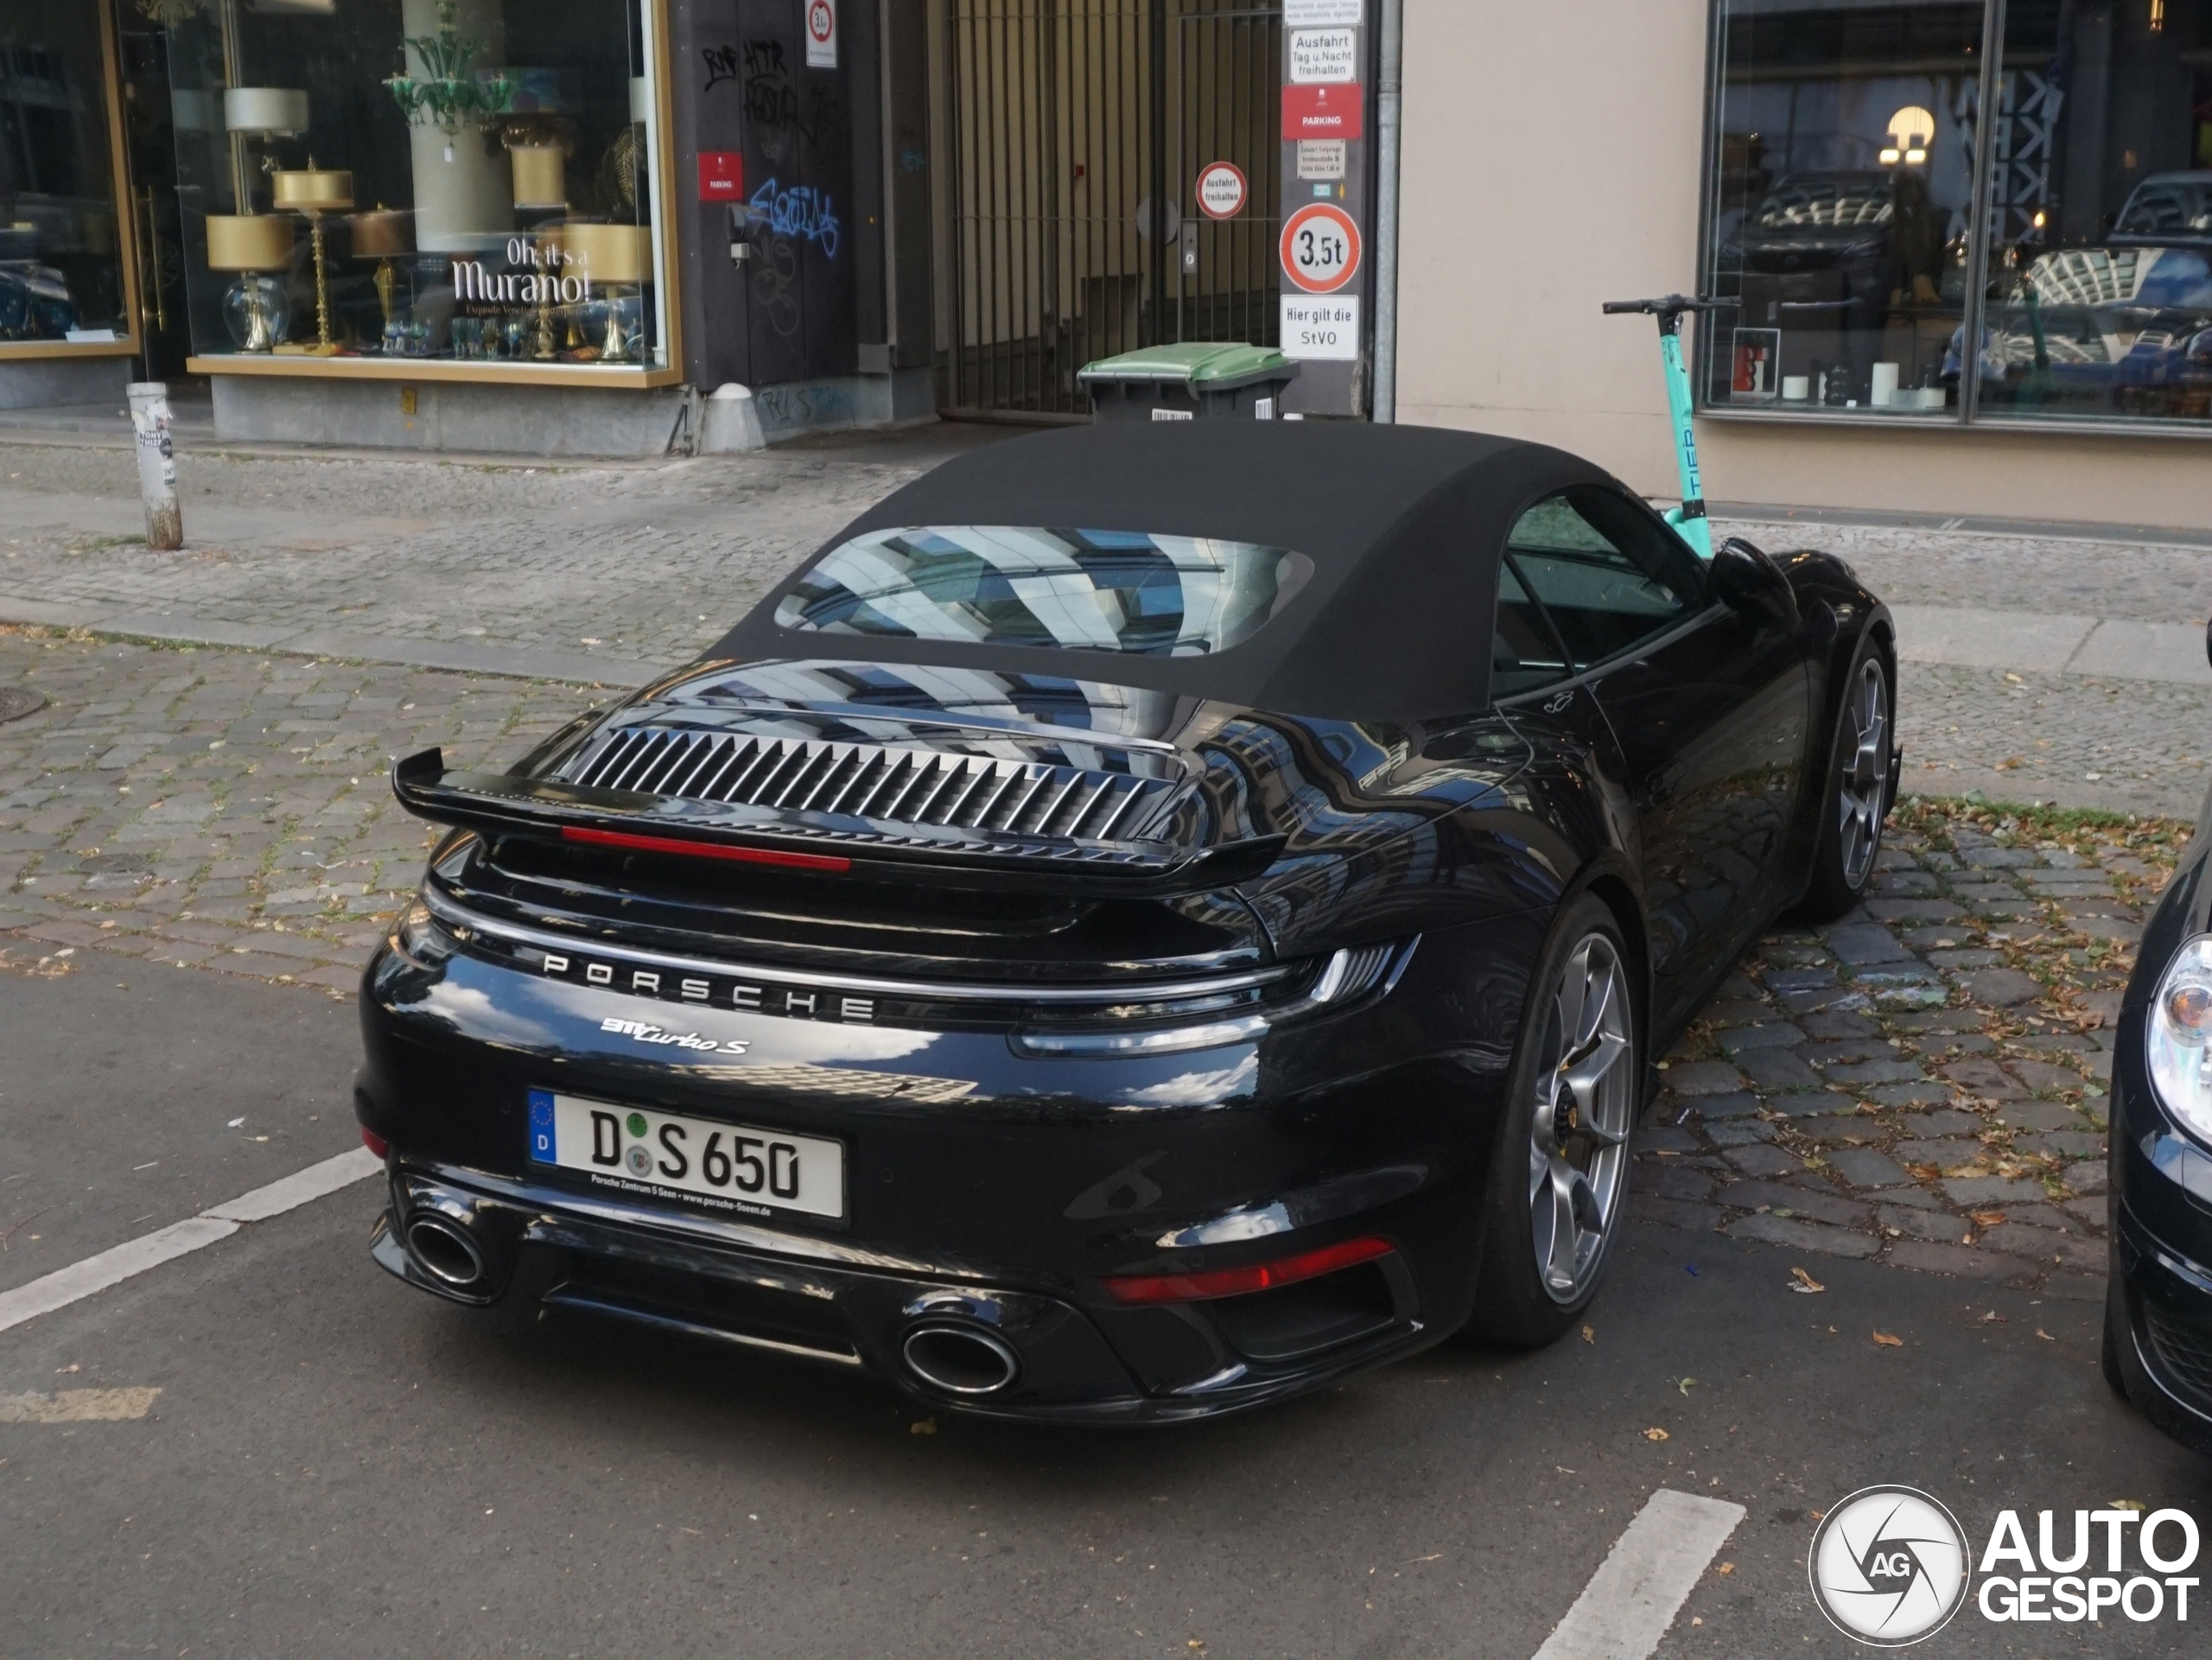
(1150, 919)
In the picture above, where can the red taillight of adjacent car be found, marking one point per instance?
(1236, 1281)
(623, 839)
(374, 1143)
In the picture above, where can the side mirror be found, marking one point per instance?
(1748, 581)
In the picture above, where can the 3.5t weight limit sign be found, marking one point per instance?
(1321, 247)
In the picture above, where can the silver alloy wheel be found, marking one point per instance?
(1586, 1095)
(1859, 805)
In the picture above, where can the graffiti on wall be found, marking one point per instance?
(798, 210)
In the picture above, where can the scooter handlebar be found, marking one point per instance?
(1673, 303)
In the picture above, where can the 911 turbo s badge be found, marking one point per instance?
(646, 1031)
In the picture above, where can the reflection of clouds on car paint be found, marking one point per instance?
(472, 1010)
(1200, 1089)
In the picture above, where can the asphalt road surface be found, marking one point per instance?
(337, 1466)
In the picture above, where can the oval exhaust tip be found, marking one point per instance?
(444, 1251)
(961, 1359)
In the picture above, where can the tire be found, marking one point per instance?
(1854, 798)
(1558, 1179)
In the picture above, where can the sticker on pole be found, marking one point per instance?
(1321, 247)
(1223, 190)
(821, 33)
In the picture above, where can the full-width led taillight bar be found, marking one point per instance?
(682, 849)
(1236, 1281)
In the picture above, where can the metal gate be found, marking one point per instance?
(1065, 121)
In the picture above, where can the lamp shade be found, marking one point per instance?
(540, 179)
(322, 190)
(249, 241)
(606, 253)
(265, 110)
(384, 234)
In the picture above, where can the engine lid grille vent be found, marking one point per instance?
(870, 781)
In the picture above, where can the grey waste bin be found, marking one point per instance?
(1182, 383)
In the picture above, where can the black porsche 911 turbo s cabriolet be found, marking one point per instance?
(1150, 919)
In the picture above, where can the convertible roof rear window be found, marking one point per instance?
(1123, 591)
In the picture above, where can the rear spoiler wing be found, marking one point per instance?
(502, 803)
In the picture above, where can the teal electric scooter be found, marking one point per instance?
(1688, 519)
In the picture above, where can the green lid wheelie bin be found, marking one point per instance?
(1187, 381)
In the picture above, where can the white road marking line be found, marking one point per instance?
(134, 1256)
(77, 1406)
(300, 1188)
(1652, 1569)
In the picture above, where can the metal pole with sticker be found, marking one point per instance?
(1323, 276)
(149, 425)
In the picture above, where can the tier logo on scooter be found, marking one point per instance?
(1889, 1566)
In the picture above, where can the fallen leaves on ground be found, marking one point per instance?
(926, 1426)
(1987, 1218)
(1725, 1567)
(1589, 1334)
(2044, 1335)
(1888, 1341)
(1686, 1386)
(1803, 1282)
(1656, 1434)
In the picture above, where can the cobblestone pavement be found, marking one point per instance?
(2068, 577)
(2130, 745)
(633, 562)
(226, 809)
(584, 569)
(1924, 1082)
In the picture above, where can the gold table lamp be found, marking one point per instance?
(252, 244)
(385, 235)
(314, 192)
(610, 255)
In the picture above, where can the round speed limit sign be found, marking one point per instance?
(1321, 247)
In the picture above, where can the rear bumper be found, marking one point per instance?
(1060, 1363)
(987, 1192)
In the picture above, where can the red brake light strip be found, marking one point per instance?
(1236, 1281)
(703, 849)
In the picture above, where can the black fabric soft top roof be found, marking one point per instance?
(1404, 525)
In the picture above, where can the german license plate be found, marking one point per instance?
(726, 1167)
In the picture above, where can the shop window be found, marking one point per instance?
(2099, 286)
(1842, 197)
(465, 182)
(1849, 138)
(61, 243)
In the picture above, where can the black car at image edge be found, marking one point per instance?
(1150, 919)
(2157, 1340)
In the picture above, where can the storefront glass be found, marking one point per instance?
(2100, 290)
(1842, 192)
(61, 268)
(380, 181)
(1842, 199)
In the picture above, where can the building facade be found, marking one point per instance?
(1968, 240)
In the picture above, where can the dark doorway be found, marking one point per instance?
(1062, 124)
